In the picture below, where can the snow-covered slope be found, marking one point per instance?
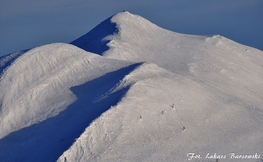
(143, 94)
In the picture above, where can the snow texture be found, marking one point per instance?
(131, 91)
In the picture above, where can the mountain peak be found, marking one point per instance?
(63, 103)
(94, 41)
(132, 21)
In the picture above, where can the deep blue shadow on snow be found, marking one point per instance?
(93, 40)
(47, 140)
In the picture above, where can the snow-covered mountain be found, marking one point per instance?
(131, 91)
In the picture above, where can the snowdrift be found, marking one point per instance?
(131, 91)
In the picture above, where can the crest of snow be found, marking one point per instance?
(144, 94)
(37, 85)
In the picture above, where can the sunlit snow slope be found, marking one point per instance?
(131, 91)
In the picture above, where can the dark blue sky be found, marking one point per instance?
(30, 23)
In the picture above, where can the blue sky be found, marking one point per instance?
(30, 23)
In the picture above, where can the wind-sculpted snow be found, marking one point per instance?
(144, 94)
(7, 60)
(37, 85)
(48, 139)
(163, 117)
(93, 41)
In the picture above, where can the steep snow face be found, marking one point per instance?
(94, 41)
(213, 60)
(214, 107)
(136, 39)
(163, 117)
(37, 84)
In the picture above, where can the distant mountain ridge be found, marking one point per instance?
(129, 90)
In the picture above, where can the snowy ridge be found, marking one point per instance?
(51, 100)
(48, 74)
(131, 91)
(7, 60)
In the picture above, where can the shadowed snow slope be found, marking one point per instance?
(143, 94)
